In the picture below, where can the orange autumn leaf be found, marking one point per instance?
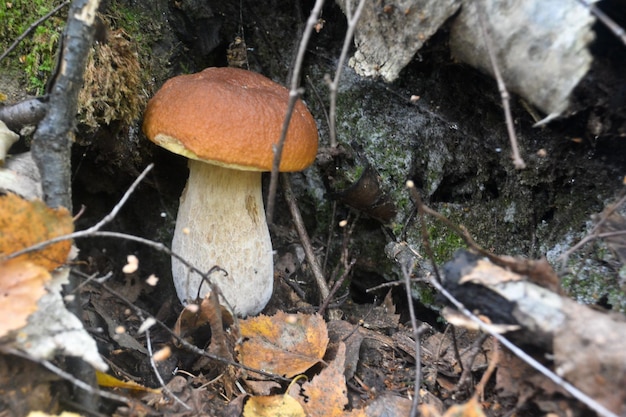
(284, 344)
(326, 394)
(21, 286)
(272, 406)
(24, 223)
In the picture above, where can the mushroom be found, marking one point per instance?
(227, 121)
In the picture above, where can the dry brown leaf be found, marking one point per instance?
(21, 286)
(273, 406)
(25, 223)
(284, 344)
(487, 273)
(326, 394)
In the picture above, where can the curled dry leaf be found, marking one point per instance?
(25, 223)
(284, 344)
(21, 286)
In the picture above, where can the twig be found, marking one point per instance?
(493, 362)
(334, 85)
(304, 238)
(294, 94)
(518, 162)
(422, 209)
(336, 287)
(594, 232)
(31, 28)
(606, 20)
(406, 274)
(488, 328)
(158, 374)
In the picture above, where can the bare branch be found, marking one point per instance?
(304, 239)
(617, 30)
(334, 85)
(158, 374)
(294, 93)
(518, 162)
(406, 274)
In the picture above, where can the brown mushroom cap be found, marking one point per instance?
(230, 117)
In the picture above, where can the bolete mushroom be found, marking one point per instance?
(227, 121)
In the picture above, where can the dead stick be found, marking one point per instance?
(304, 238)
(518, 162)
(294, 94)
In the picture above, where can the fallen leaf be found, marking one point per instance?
(326, 394)
(21, 286)
(25, 223)
(273, 406)
(109, 381)
(283, 344)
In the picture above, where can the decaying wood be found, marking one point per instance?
(587, 345)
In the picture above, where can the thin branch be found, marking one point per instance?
(617, 30)
(406, 274)
(304, 238)
(422, 209)
(158, 374)
(334, 85)
(336, 287)
(32, 27)
(594, 232)
(294, 93)
(493, 363)
(518, 162)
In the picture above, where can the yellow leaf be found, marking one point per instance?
(109, 381)
(273, 406)
(21, 286)
(25, 223)
(284, 344)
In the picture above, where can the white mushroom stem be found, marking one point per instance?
(221, 222)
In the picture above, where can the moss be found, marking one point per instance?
(35, 55)
(112, 86)
(118, 74)
(443, 242)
